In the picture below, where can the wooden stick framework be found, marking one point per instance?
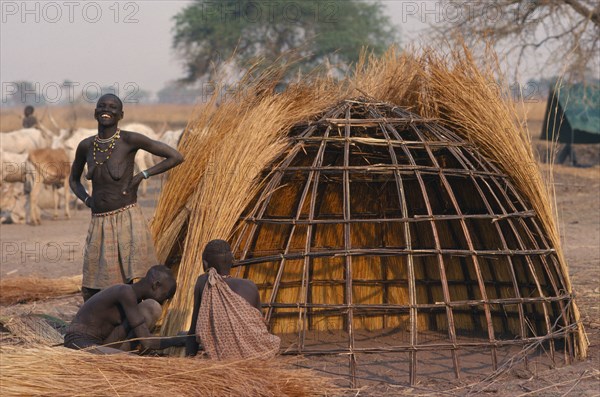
(421, 249)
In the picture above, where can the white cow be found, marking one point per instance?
(169, 137)
(18, 169)
(13, 166)
(69, 139)
(12, 203)
(142, 158)
(24, 140)
(141, 128)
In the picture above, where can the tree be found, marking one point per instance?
(570, 29)
(208, 33)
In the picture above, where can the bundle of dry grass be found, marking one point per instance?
(226, 148)
(31, 330)
(63, 372)
(28, 289)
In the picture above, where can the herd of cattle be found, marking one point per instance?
(36, 164)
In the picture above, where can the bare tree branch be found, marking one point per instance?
(568, 30)
(579, 8)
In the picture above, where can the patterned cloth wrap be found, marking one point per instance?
(77, 339)
(118, 248)
(228, 327)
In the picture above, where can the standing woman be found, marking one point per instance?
(119, 246)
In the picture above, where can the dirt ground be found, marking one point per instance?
(54, 249)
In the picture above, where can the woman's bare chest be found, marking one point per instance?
(109, 160)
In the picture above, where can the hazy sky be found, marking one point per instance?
(89, 42)
(110, 43)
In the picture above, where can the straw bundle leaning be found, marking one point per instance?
(63, 372)
(204, 198)
(27, 289)
(219, 177)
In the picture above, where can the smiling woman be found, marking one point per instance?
(119, 247)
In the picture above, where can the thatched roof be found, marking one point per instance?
(417, 207)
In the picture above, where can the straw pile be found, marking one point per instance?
(227, 147)
(28, 289)
(63, 372)
(31, 330)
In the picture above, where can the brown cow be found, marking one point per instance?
(46, 167)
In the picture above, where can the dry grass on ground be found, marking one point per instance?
(61, 372)
(28, 289)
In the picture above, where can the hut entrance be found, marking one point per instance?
(382, 232)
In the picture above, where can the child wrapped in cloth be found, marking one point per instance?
(226, 319)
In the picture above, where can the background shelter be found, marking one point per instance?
(573, 114)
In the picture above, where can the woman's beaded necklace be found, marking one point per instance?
(109, 139)
(112, 142)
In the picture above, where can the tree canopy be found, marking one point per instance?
(208, 33)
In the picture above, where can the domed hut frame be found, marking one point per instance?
(379, 219)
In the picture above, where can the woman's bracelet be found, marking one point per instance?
(146, 175)
(86, 199)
